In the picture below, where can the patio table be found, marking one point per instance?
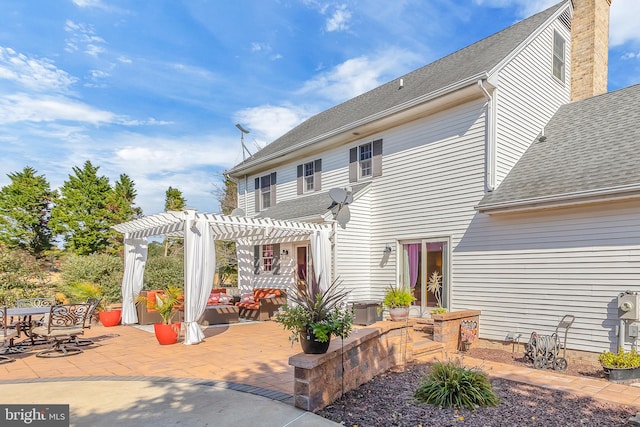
(25, 324)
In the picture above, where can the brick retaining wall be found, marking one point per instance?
(367, 352)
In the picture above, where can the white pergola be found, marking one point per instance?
(200, 231)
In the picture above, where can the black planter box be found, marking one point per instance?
(623, 375)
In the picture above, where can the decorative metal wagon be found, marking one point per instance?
(543, 350)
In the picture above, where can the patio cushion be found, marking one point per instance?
(214, 298)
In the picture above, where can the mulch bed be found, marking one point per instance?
(387, 400)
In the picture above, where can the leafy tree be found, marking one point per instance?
(81, 215)
(104, 270)
(121, 200)
(173, 201)
(226, 255)
(121, 205)
(25, 209)
(21, 276)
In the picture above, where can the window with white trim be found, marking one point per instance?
(309, 176)
(559, 44)
(309, 173)
(365, 154)
(365, 161)
(267, 257)
(265, 191)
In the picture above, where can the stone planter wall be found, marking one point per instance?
(365, 354)
(446, 327)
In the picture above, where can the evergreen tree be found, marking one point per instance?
(173, 201)
(226, 255)
(121, 205)
(81, 215)
(25, 209)
(121, 200)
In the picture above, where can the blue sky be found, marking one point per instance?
(153, 88)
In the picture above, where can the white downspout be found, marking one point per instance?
(490, 140)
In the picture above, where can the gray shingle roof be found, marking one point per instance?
(314, 205)
(590, 146)
(473, 60)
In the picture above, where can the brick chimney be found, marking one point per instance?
(589, 48)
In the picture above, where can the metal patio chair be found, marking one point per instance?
(7, 334)
(64, 324)
(27, 323)
(93, 304)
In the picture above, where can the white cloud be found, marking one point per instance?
(88, 3)
(624, 26)
(34, 74)
(525, 7)
(22, 107)
(630, 55)
(268, 122)
(124, 60)
(339, 21)
(83, 37)
(358, 75)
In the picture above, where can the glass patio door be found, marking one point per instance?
(423, 263)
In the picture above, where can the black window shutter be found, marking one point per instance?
(353, 164)
(257, 194)
(377, 158)
(317, 175)
(256, 259)
(300, 181)
(276, 258)
(273, 189)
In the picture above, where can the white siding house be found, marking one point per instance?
(430, 160)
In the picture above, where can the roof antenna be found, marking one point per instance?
(244, 147)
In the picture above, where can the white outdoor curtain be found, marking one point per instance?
(321, 256)
(200, 268)
(135, 259)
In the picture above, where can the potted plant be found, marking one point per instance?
(106, 313)
(621, 366)
(166, 303)
(435, 286)
(398, 300)
(316, 315)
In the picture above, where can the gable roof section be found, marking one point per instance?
(470, 63)
(307, 207)
(591, 152)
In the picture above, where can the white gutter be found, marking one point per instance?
(490, 140)
(366, 120)
(561, 200)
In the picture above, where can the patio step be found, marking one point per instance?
(428, 350)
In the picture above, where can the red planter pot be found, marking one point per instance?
(167, 334)
(110, 318)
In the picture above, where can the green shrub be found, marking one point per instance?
(21, 276)
(620, 359)
(161, 271)
(452, 385)
(398, 297)
(102, 269)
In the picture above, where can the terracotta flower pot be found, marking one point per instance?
(167, 334)
(110, 317)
